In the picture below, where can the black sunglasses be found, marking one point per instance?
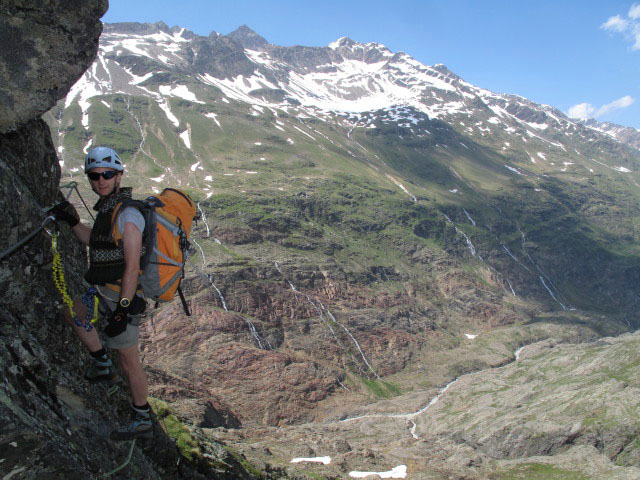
(108, 175)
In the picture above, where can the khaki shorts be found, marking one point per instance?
(108, 303)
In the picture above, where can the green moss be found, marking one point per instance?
(174, 428)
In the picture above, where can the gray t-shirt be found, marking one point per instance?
(131, 215)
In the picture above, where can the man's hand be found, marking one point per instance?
(118, 322)
(65, 212)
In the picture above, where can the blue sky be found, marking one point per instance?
(581, 56)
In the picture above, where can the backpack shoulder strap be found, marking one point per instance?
(146, 209)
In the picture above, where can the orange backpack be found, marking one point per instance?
(168, 218)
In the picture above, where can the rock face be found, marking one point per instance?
(49, 415)
(46, 47)
(206, 357)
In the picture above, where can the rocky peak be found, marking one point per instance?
(220, 57)
(628, 135)
(248, 38)
(183, 32)
(364, 52)
(302, 58)
(439, 67)
(342, 42)
(163, 27)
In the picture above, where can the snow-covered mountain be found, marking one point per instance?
(345, 78)
(627, 135)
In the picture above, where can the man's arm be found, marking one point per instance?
(132, 245)
(82, 232)
(66, 212)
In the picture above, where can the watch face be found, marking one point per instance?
(125, 302)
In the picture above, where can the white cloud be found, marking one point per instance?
(629, 27)
(636, 36)
(616, 24)
(586, 110)
(582, 110)
(623, 102)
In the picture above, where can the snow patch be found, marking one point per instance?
(136, 80)
(164, 105)
(187, 141)
(213, 116)
(515, 170)
(179, 91)
(398, 472)
(86, 147)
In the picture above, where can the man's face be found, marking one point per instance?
(103, 186)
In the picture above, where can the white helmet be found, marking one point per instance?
(102, 157)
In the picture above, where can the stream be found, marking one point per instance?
(410, 417)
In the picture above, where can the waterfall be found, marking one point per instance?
(355, 342)
(469, 217)
(513, 256)
(470, 246)
(524, 241)
(204, 220)
(288, 281)
(321, 309)
(259, 340)
(224, 303)
(551, 293)
(208, 277)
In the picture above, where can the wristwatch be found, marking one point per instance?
(124, 302)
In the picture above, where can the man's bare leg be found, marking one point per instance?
(141, 426)
(129, 360)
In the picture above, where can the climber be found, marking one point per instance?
(113, 272)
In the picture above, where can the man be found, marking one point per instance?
(113, 271)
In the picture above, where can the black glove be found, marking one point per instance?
(117, 324)
(65, 212)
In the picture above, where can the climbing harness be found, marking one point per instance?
(89, 298)
(126, 462)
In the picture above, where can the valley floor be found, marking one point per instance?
(556, 410)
